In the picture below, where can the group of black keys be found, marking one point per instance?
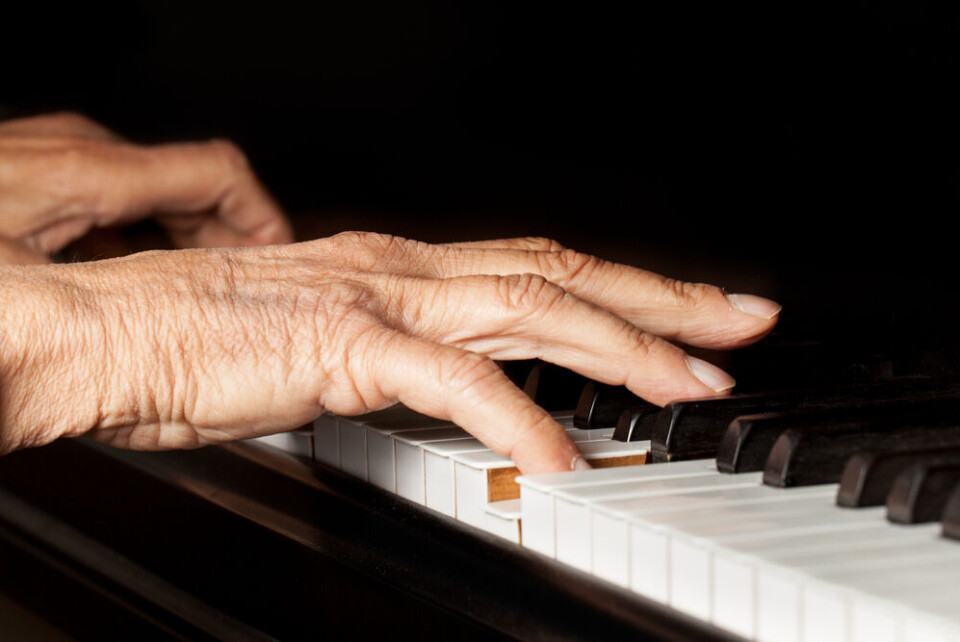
(887, 437)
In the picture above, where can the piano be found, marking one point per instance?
(394, 524)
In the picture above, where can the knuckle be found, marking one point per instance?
(567, 266)
(531, 292)
(369, 250)
(684, 293)
(468, 373)
(641, 343)
(69, 176)
(540, 244)
(73, 120)
(230, 155)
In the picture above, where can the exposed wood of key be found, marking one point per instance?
(502, 482)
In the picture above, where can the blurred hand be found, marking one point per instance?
(177, 349)
(62, 175)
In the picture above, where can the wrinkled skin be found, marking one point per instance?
(182, 348)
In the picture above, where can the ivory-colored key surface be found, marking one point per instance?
(826, 585)
(504, 519)
(657, 538)
(326, 440)
(352, 434)
(573, 507)
(439, 477)
(409, 457)
(735, 567)
(483, 477)
(296, 442)
(538, 493)
(610, 519)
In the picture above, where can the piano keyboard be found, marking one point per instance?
(754, 552)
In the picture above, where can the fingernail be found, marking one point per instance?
(755, 305)
(579, 463)
(710, 375)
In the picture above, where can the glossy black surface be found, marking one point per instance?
(920, 491)
(601, 405)
(873, 477)
(702, 428)
(242, 542)
(553, 387)
(748, 439)
(808, 457)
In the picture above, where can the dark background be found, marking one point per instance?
(802, 151)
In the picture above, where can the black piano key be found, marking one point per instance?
(869, 477)
(693, 429)
(950, 518)
(601, 405)
(554, 388)
(808, 457)
(748, 439)
(631, 425)
(518, 371)
(919, 493)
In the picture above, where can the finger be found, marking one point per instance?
(472, 392)
(694, 313)
(532, 243)
(13, 253)
(526, 317)
(215, 176)
(121, 182)
(59, 124)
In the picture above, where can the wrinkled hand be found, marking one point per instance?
(62, 175)
(175, 349)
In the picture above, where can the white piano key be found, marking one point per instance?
(609, 520)
(326, 440)
(483, 478)
(773, 595)
(904, 592)
(439, 476)
(574, 544)
(735, 563)
(382, 455)
(687, 536)
(408, 447)
(906, 570)
(296, 442)
(537, 493)
(353, 446)
(504, 519)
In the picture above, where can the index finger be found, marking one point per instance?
(473, 392)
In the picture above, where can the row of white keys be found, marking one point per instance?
(484, 481)
(695, 550)
(389, 449)
(900, 590)
(753, 592)
(296, 442)
(538, 493)
(610, 527)
(663, 543)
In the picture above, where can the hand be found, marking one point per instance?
(177, 349)
(62, 175)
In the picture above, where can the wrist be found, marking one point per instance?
(50, 386)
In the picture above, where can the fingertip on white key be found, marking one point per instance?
(579, 463)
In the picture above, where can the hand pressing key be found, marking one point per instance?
(183, 348)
